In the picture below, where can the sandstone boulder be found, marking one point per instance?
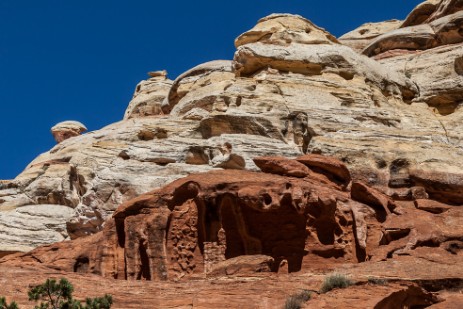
(67, 129)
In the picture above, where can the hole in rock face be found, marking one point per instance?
(120, 231)
(144, 272)
(380, 163)
(183, 193)
(444, 105)
(363, 31)
(346, 75)
(458, 65)
(267, 199)
(146, 135)
(81, 265)
(399, 176)
(238, 101)
(428, 243)
(325, 232)
(454, 247)
(279, 233)
(391, 235)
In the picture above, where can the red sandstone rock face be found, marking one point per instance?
(205, 222)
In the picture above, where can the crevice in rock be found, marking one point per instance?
(390, 235)
(440, 284)
(81, 265)
(443, 127)
(144, 273)
(454, 247)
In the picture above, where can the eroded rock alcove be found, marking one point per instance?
(298, 214)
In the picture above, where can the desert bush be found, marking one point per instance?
(104, 302)
(335, 281)
(295, 301)
(377, 281)
(4, 304)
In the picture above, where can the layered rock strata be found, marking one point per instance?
(305, 212)
(67, 129)
(291, 88)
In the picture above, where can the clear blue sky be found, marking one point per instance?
(80, 60)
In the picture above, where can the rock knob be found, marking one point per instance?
(67, 129)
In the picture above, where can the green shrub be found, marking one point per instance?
(55, 295)
(58, 295)
(335, 281)
(4, 304)
(104, 302)
(295, 301)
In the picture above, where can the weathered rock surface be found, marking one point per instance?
(67, 129)
(284, 29)
(442, 31)
(262, 290)
(292, 90)
(359, 38)
(204, 222)
(30, 226)
(92, 174)
(384, 209)
(402, 295)
(431, 10)
(438, 74)
(203, 75)
(148, 96)
(240, 227)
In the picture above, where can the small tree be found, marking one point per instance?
(4, 304)
(59, 296)
(55, 295)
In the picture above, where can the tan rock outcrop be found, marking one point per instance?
(204, 222)
(148, 96)
(359, 38)
(384, 209)
(67, 129)
(438, 74)
(421, 13)
(291, 90)
(203, 75)
(284, 29)
(442, 31)
(431, 10)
